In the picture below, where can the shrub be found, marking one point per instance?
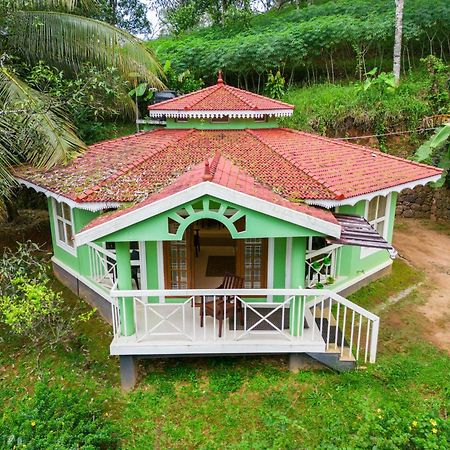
(28, 306)
(56, 417)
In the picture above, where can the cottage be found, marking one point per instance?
(223, 233)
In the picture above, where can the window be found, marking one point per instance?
(377, 212)
(224, 119)
(261, 119)
(253, 262)
(63, 225)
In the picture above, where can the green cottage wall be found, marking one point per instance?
(80, 262)
(233, 124)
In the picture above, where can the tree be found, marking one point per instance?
(398, 39)
(33, 127)
(130, 15)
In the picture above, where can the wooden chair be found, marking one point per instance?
(224, 307)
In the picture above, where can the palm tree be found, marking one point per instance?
(398, 39)
(33, 128)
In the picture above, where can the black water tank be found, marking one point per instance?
(162, 96)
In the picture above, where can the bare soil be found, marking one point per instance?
(427, 247)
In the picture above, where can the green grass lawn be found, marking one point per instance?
(254, 402)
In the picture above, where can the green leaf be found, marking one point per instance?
(140, 90)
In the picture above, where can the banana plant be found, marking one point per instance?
(437, 147)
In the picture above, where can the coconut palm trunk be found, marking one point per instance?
(398, 39)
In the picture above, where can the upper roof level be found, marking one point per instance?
(220, 101)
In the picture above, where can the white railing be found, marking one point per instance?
(301, 315)
(321, 266)
(219, 314)
(102, 265)
(346, 327)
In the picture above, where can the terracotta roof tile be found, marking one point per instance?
(294, 165)
(220, 97)
(225, 174)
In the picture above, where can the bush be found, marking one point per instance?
(58, 418)
(391, 430)
(29, 308)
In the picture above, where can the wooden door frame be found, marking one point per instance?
(190, 260)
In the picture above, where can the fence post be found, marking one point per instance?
(374, 340)
(126, 304)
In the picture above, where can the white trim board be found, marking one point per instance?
(197, 191)
(369, 196)
(89, 206)
(233, 114)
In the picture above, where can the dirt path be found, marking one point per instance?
(429, 251)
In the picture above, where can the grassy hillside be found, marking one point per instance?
(341, 110)
(333, 40)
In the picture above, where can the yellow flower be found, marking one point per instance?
(433, 422)
(378, 410)
(106, 414)
(33, 423)
(434, 430)
(414, 424)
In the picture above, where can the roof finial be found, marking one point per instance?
(207, 175)
(219, 78)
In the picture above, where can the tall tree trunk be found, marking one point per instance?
(398, 39)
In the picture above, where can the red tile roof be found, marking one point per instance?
(294, 165)
(224, 173)
(220, 97)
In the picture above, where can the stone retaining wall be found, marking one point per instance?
(424, 202)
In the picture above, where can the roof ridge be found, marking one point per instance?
(131, 166)
(361, 147)
(211, 90)
(240, 97)
(338, 195)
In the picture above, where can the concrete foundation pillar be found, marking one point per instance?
(299, 361)
(128, 372)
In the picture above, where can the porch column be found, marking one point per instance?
(298, 255)
(126, 305)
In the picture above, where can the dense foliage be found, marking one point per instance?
(95, 98)
(34, 128)
(29, 307)
(57, 417)
(332, 40)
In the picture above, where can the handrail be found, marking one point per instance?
(217, 292)
(345, 302)
(103, 250)
(322, 251)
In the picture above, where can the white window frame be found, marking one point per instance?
(367, 251)
(62, 241)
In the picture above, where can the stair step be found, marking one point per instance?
(325, 316)
(347, 355)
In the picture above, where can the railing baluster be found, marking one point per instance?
(343, 331)
(193, 317)
(367, 340)
(337, 326)
(351, 335)
(204, 316)
(214, 317)
(235, 313)
(359, 337)
(330, 304)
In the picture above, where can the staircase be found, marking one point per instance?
(350, 332)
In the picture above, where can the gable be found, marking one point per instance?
(207, 200)
(241, 222)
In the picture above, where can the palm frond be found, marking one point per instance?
(67, 5)
(47, 136)
(8, 156)
(67, 39)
